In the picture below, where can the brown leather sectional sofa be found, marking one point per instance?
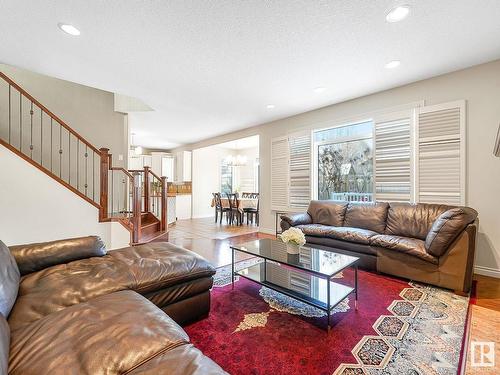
(429, 243)
(73, 308)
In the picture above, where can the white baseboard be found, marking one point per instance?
(487, 271)
(202, 216)
(267, 230)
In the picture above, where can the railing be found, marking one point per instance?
(34, 133)
(155, 199)
(352, 197)
(37, 135)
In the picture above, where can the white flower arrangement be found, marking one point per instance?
(293, 235)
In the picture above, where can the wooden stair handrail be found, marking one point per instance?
(48, 112)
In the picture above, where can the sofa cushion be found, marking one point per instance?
(447, 227)
(349, 234)
(4, 345)
(371, 216)
(296, 219)
(144, 269)
(327, 212)
(410, 246)
(9, 280)
(37, 256)
(110, 334)
(182, 360)
(412, 220)
(335, 245)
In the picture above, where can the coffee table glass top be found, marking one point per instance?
(322, 262)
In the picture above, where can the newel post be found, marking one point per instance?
(103, 198)
(147, 190)
(164, 198)
(136, 207)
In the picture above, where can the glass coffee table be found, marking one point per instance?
(303, 273)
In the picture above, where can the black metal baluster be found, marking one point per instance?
(69, 157)
(20, 122)
(31, 131)
(41, 137)
(51, 148)
(77, 164)
(93, 176)
(112, 189)
(86, 168)
(9, 114)
(60, 150)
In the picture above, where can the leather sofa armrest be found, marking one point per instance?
(297, 219)
(37, 256)
(447, 227)
(456, 265)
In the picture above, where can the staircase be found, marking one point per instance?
(135, 198)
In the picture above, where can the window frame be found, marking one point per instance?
(316, 145)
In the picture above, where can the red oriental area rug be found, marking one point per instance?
(399, 328)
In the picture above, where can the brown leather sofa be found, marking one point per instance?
(73, 308)
(430, 243)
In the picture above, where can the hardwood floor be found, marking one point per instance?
(213, 240)
(485, 321)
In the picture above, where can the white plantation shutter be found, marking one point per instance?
(300, 170)
(440, 150)
(279, 173)
(393, 157)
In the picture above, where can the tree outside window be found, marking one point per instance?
(345, 170)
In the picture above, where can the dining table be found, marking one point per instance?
(242, 203)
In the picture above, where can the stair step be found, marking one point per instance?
(150, 237)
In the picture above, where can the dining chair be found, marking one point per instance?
(234, 210)
(219, 208)
(253, 212)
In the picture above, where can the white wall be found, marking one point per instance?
(206, 178)
(88, 111)
(36, 208)
(479, 85)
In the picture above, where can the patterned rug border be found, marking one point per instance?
(422, 333)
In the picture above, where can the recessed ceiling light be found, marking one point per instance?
(392, 64)
(69, 29)
(319, 89)
(270, 106)
(397, 14)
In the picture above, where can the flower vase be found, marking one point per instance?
(292, 248)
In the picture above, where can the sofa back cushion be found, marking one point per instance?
(413, 220)
(447, 228)
(4, 345)
(9, 280)
(327, 212)
(371, 216)
(37, 256)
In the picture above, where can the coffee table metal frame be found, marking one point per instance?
(330, 305)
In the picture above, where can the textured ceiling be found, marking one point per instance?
(208, 67)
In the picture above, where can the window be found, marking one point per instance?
(226, 178)
(345, 162)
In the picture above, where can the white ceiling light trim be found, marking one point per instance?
(397, 14)
(69, 29)
(392, 64)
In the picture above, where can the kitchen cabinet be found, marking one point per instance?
(139, 161)
(183, 166)
(183, 206)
